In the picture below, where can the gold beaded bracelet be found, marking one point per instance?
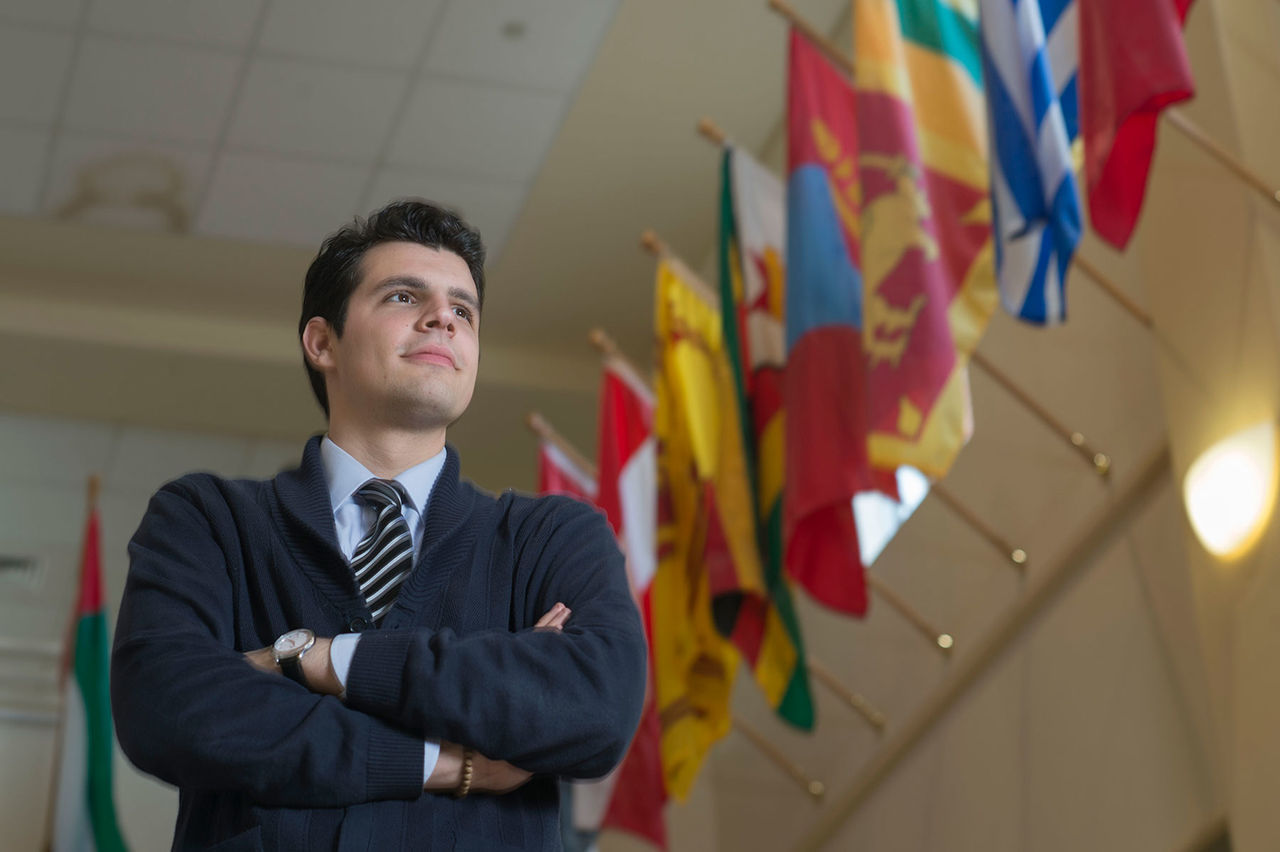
(468, 773)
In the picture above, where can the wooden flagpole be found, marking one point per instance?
(654, 245)
(544, 430)
(1246, 175)
(540, 427)
(1101, 461)
(815, 788)
(601, 340)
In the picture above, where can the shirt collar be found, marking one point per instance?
(343, 474)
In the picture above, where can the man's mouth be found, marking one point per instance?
(433, 354)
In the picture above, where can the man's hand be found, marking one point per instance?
(487, 775)
(554, 619)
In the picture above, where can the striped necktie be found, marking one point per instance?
(383, 558)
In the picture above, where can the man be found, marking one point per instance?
(368, 652)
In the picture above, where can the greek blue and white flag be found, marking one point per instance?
(1030, 59)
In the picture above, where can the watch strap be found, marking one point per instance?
(291, 667)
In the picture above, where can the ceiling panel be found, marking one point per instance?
(491, 206)
(22, 158)
(300, 107)
(272, 199)
(476, 129)
(150, 91)
(556, 42)
(227, 23)
(170, 170)
(33, 66)
(378, 33)
(59, 13)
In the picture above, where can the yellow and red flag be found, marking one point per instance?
(927, 256)
(694, 666)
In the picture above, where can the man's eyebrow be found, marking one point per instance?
(412, 282)
(464, 296)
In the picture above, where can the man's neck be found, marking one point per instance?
(386, 452)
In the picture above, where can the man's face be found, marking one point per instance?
(410, 345)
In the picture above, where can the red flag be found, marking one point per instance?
(1133, 64)
(628, 496)
(825, 390)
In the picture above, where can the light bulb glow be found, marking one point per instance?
(1230, 490)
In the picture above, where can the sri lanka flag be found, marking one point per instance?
(824, 390)
(926, 249)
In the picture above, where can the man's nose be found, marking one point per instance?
(440, 316)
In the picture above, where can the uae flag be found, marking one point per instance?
(84, 807)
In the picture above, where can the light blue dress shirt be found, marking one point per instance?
(344, 476)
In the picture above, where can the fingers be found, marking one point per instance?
(555, 618)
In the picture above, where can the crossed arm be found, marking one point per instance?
(190, 710)
(488, 775)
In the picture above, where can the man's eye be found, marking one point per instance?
(401, 296)
(462, 312)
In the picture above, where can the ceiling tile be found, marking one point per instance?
(169, 170)
(271, 199)
(33, 66)
(151, 91)
(57, 13)
(380, 33)
(296, 107)
(22, 161)
(227, 23)
(476, 128)
(490, 206)
(553, 48)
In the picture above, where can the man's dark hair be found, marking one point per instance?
(335, 273)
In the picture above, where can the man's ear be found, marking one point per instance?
(317, 343)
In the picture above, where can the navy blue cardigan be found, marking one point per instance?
(219, 567)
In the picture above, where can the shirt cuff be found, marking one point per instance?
(430, 756)
(341, 650)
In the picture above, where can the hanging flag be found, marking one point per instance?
(84, 807)
(752, 293)
(558, 473)
(1029, 62)
(926, 248)
(1133, 64)
(694, 666)
(628, 496)
(825, 386)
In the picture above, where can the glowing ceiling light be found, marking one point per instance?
(1230, 490)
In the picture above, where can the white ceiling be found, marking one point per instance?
(283, 118)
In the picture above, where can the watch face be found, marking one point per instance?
(293, 641)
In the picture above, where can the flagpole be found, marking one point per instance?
(944, 642)
(856, 702)
(1246, 175)
(815, 788)
(544, 430)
